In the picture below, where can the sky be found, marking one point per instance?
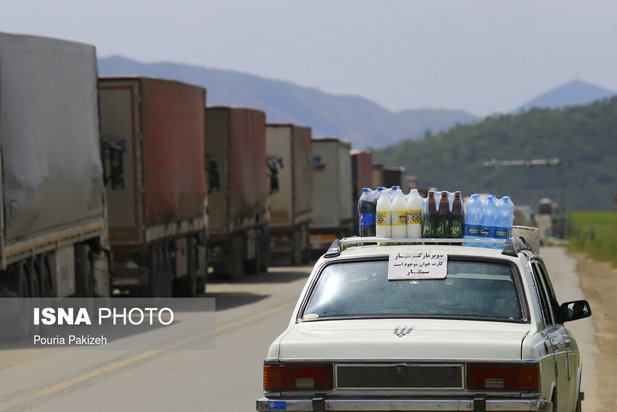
(481, 56)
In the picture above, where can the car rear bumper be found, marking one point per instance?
(479, 403)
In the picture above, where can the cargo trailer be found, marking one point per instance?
(52, 221)
(361, 177)
(332, 186)
(157, 215)
(238, 210)
(290, 157)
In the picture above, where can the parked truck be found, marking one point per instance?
(290, 158)
(394, 176)
(238, 211)
(52, 221)
(157, 194)
(377, 175)
(332, 201)
(361, 177)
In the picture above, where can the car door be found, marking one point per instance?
(566, 363)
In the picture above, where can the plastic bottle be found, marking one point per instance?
(455, 228)
(383, 225)
(473, 216)
(414, 214)
(430, 216)
(443, 216)
(399, 215)
(505, 217)
(489, 217)
(366, 213)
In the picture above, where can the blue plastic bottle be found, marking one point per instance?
(505, 217)
(489, 218)
(366, 212)
(473, 215)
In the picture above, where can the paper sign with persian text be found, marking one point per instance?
(414, 265)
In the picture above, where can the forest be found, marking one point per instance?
(584, 138)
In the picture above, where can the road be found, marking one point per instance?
(250, 313)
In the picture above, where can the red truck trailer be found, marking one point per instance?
(238, 211)
(157, 219)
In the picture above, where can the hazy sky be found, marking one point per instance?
(483, 56)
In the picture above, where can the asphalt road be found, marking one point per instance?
(250, 313)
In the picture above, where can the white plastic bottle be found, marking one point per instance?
(399, 215)
(415, 205)
(383, 224)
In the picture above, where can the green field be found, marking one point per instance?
(595, 233)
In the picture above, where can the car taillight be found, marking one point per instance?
(507, 377)
(299, 377)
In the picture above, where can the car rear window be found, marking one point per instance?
(362, 289)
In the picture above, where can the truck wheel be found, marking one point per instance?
(35, 284)
(45, 276)
(84, 275)
(20, 280)
(154, 273)
(167, 272)
(236, 257)
(188, 284)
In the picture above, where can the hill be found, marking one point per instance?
(570, 94)
(359, 120)
(584, 137)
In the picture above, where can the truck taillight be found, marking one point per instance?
(506, 377)
(297, 377)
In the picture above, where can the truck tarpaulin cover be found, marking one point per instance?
(236, 138)
(173, 150)
(51, 162)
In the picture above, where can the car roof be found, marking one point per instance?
(359, 247)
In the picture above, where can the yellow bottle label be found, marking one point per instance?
(383, 218)
(399, 217)
(414, 217)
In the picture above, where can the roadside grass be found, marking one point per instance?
(594, 233)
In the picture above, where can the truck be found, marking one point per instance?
(394, 176)
(238, 210)
(377, 175)
(53, 235)
(157, 194)
(288, 147)
(361, 177)
(332, 197)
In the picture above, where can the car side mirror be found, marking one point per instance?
(574, 310)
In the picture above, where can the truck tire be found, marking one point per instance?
(84, 275)
(187, 286)
(34, 282)
(167, 272)
(155, 282)
(20, 280)
(235, 258)
(47, 289)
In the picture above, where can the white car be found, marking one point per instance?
(393, 324)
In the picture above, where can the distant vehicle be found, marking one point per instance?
(332, 186)
(394, 176)
(157, 220)
(239, 214)
(52, 223)
(387, 325)
(291, 202)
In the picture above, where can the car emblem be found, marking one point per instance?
(400, 332)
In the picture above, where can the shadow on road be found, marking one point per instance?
(229, 300)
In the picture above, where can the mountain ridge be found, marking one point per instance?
(357, 119)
